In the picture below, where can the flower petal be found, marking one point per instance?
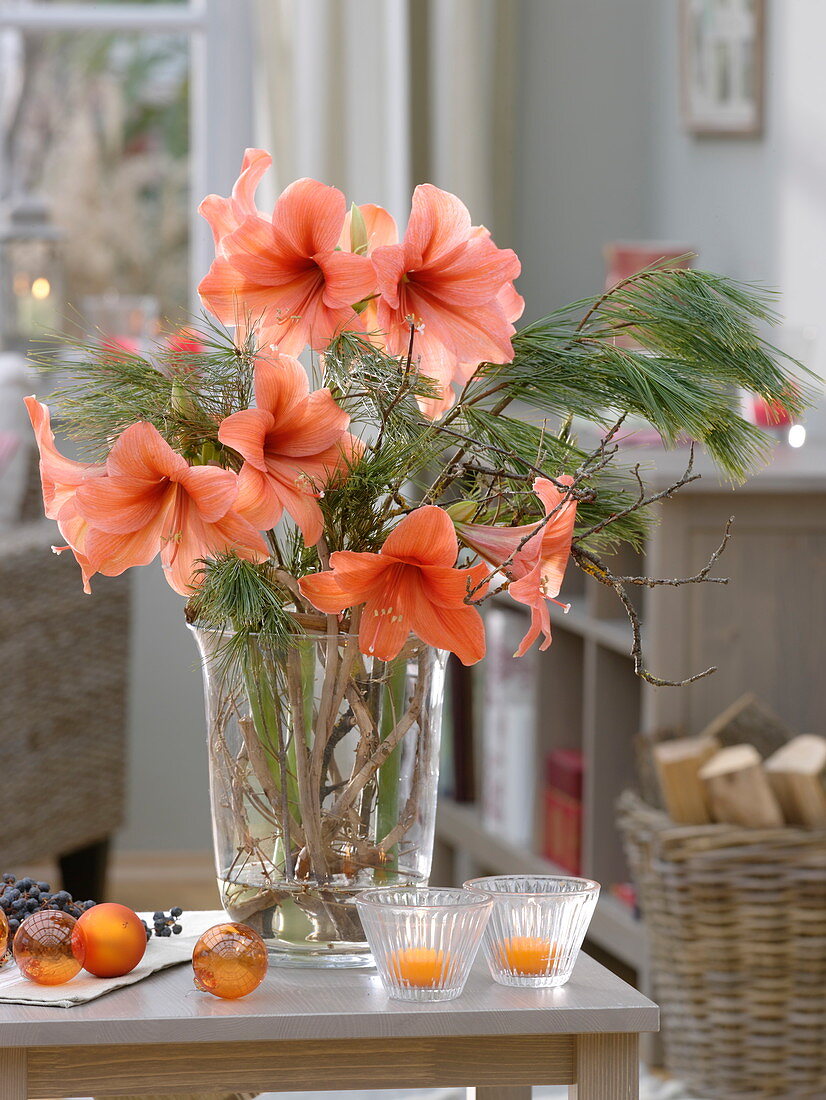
(111, 553)
(359, 573)
(310, 215)
(389, 265)
(447, 587)
(460, 630)
(324, 592)
(59, 476)
(121, 505)
(141, 451)
(225, 215)
(303, 508)
(424, 537)
(439, 223)
(385, 625)
(257, 500)
(347, 278)
(211, 490)
(281, 383)
(233, 298)
(314, 427)
(245, 432)
(540, 624)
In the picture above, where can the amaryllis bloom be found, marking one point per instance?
(151, 500)
(537, 570)
(410, 585)
(61, 477)
(293, 444)
(286, 273)
(454, 284)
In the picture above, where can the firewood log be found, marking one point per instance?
(738, 790)
(678, 765)
(797, 773)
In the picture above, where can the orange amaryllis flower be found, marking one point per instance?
(447, 277)
(293, 443)
(410, 585)
(61, 477)
(152, 500)
(536, 571)
(287, 273)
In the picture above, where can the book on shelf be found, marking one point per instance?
(562, 841)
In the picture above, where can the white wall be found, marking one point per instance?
(755, 208)
(585, 144)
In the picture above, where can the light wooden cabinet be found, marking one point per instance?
(765, 630)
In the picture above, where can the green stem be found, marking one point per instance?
(387, 805)
(265, 717)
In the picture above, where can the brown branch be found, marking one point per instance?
(699, 578)
(642, 500)
(369, 768)
(590, 563)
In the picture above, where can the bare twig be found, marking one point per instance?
(642, 500)
(592, 564)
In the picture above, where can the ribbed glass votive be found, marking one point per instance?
(424, 938)
(536, 927)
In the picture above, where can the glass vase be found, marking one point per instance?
(323, 777)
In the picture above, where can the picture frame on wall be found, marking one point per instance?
(722, 52)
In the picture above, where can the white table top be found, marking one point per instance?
(314, 1004)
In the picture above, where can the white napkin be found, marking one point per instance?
(161, 952)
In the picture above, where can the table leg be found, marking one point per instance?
(500, 1092)
(607, 1068)
(13, 1083)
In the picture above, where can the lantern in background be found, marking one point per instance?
(30, 273)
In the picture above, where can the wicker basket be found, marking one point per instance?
(736, 920)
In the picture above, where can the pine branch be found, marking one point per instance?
(697, 332)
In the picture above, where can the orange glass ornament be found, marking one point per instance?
(422, 967)
(526, 955)
(115, 939)
(49, 948)
(4, 933)
(229, 960)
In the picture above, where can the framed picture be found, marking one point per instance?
(722, 66)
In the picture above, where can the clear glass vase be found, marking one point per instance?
(323, 775)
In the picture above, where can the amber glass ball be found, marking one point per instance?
(115, 939)
(229, 960)
(49, 947)
(4, 933)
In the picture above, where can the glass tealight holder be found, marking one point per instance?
(423, 938)
(537, 926)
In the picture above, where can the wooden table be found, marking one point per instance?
(310, 1029)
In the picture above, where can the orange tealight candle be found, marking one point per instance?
(528, 955)
(422, 967)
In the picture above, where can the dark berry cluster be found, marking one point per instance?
(20, 897)
(167, 925)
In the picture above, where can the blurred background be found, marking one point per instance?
(591, 138)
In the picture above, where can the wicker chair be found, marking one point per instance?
(63, 669)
